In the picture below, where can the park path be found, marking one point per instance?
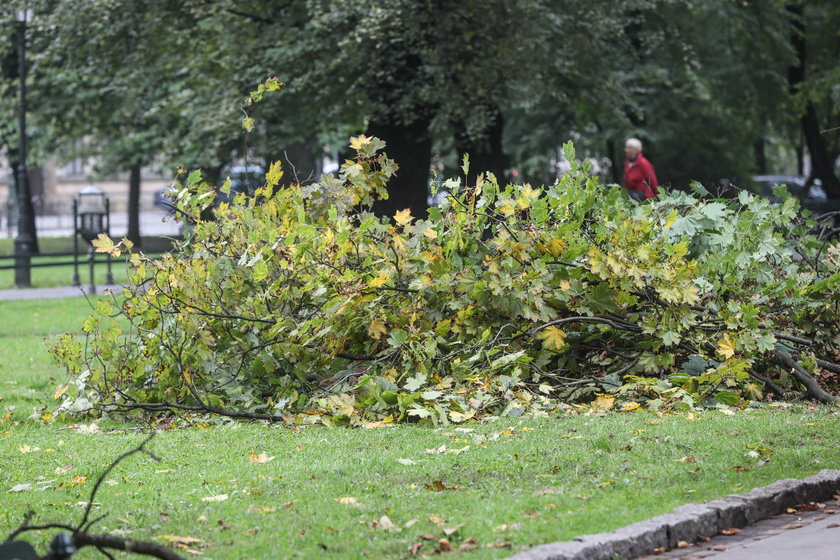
(50, 293)
(799, 535)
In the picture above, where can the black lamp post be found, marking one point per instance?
(24, 241)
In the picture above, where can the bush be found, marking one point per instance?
(299, 303)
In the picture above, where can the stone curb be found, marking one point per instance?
(690, 521)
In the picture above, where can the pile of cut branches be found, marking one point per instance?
(298, 304)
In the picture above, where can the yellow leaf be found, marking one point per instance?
(552, 337)
(556, 247)
(105, 244)
(275, 173)
(605, 402)
(630, 406)
(379, 280)
(260, 459)
(430, 233)
(507, 208)
(672, 217)
(217, 498)
(726, 346)
(359, 142)
(565, 286)
(60, 390)
(180, 540)
(376, 329)
(347, 500)
(403, 217)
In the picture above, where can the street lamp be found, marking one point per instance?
(91, 216)
(24, 240)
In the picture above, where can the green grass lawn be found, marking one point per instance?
(250, 490)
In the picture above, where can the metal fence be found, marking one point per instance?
(54, 218)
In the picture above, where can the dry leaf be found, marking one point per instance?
(732, 531)
(439, 486)
(260, 459)
(410, 523)
(415, 548)
(347, 500)
(444, 545)
(452, 530)
(180, 540)
(436, 520)
(217, 498)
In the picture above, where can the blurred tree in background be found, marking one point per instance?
(716, 89)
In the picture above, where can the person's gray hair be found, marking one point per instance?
(634, 143)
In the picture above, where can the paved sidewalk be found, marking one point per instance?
(813, 535)
(52, 293)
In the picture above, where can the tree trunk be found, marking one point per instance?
(800, 159)
(821, 162)
(134, 205)
(410, 145)
(616, 164)
(760, 156)
(486, 154)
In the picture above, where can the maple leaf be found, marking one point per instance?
(359, 143)
(376, 329)
(105, 244)
(379, 280)
(726, 346)
(403, 217)
(605, 402)
(552, 337)
(274, 174)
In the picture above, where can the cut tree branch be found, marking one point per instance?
(809, 382)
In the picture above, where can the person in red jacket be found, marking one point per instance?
(639, 177)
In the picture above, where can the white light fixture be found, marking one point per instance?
(24, 15)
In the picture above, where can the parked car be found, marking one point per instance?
(794, 184)
(162, 199)
(816, 200)
(243, 179)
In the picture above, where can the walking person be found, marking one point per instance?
(640, 180)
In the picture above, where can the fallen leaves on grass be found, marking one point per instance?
(406, 462)
(439, 486)
(348, 501)
(508, 527)
(78, 480)
(437, 520)
(384, 523)
(260, 509)
(216, 498)
(260, 459)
